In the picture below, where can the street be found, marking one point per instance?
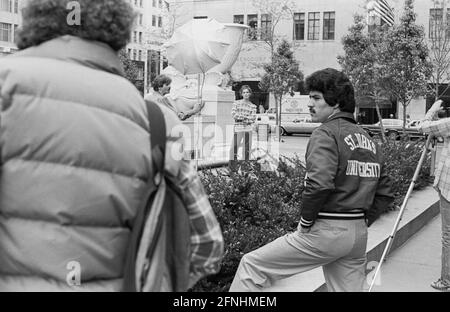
(295, 144)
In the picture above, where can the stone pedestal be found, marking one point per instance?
(216, 125)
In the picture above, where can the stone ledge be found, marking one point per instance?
(422, 207)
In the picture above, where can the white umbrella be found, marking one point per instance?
(194, 48)
(197, 46)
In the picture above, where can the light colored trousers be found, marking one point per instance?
(445, 264)
(339, 246)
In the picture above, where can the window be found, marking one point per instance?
(141, 4)
(141, 17)
(266, 26)
(299, 26)
(5, 32)
(160, 3)
(135, 36)
(313, 25)
(159, 21)
(16, 6)
(129, 53)
(153, 20)
(436, 20)
(238, 19)
(252, 21)
(16, 27)
(154, 3)
(134, 54)
(6, 5)
(140, 37)
(140, 55)
(328, 25)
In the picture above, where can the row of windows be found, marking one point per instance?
(137, 37)
(138, 3)
(135, 54)
(155, 3)
(156, 20)
(9, 6)
(312, 30)
(437, 23)
(6, 32)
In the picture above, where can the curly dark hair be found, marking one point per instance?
(107, 21)
(335, 87)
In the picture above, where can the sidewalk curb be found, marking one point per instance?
(404, 232)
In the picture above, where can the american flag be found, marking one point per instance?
(382, 9)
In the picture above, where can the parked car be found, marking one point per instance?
(265, 119)
(393, 128)
(303, 125)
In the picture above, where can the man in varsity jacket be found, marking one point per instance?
(345, 186)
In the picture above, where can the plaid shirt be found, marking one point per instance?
(206, 235)
(243, 112)
(442, 175)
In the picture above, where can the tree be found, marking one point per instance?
(359, 63)
(130, 68)
(281, 76)
(402, 56)
(439, 47)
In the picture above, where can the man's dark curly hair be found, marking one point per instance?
(107, 21)
(335, 87)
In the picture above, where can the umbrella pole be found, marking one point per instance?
(402, 209)
(196, 124)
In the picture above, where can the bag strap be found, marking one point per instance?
(157, 149)
(157, 135)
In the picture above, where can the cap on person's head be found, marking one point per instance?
(335, 87)
(107, 21)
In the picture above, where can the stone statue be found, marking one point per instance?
(223, 47)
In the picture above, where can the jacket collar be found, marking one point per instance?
(93, 54)
(345, 115)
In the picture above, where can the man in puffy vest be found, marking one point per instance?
(345, 184)
(75, 155)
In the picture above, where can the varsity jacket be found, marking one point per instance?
(345, 176)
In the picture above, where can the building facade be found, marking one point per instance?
(10, 21)
(313, 27)
(147, 38)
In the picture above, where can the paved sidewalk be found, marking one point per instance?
(416, 264)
